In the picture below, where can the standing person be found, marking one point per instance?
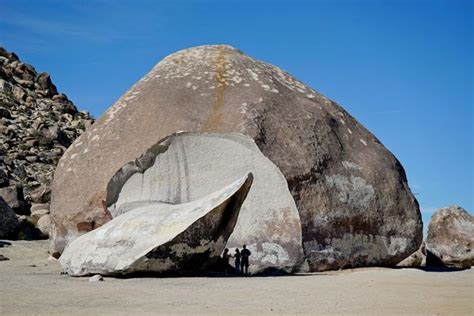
(237, 261)
(225, 260)
(244, 265)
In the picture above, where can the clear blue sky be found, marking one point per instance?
(403, 68)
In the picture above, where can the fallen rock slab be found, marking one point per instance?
(450, 240)
(160, 237)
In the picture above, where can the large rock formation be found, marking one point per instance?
(352, 195)
(156, 236)
(37, 124)
(188, 166)
(450, 240)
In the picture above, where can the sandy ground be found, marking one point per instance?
(32, 285)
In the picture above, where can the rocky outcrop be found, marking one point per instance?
(160, 237)
(8, 221)
(355, 206)
(37, 124)
(450, 240)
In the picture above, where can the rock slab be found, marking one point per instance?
(160, 237)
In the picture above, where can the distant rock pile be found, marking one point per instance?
(37, 125)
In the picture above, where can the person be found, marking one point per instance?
(237, 261)
(225, 260)
(244, 264)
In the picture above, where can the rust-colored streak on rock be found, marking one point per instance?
(214, 119)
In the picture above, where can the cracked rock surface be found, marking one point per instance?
(352, 195)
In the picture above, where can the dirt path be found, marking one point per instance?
(30, 284)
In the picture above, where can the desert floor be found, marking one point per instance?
(30, 284)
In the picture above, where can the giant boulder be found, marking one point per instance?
(160, 237)
(450, 240)
(352, 195)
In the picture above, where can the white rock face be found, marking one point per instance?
(159, 237)
(188, 166)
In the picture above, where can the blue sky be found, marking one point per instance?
(404, 69)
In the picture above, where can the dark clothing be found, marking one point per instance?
(245, 253)
(225, 258)
(237, 263)
(244, 264)
(225, 261)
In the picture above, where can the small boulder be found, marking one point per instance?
(96, 278)
(4, 243)
(44, 81)
(11, 195)
(41, 194)
(39, 206)
(450, 238)
(37, 214)
(8, 221)
(416, 259)
(44, 224)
